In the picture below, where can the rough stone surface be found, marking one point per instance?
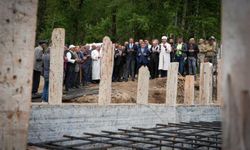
(206, 84)
(172, 82)
(56, 66)
(143, 86)
(189, 90)
(17, 40)
(50, 122)
(219, 99)
(236, 74)
(106, 72)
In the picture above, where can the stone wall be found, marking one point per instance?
(50, 122)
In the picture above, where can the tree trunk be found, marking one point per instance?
(113, 27)
(196, 31)
(41, 17)
(184, 15)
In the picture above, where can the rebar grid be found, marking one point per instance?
(183, 136)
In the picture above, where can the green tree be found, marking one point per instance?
(90, 20)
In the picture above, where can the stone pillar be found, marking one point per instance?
(172, 83)
(105, 88)
(189, 90)
(143, 85)
(206, 81)
(219, 83)
(56, 66)
(236, 74)
(17, 40)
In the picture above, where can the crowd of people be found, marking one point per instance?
(82, 64)
(157, 56)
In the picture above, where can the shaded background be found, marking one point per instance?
(90, 20)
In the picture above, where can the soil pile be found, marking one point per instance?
(125, 92)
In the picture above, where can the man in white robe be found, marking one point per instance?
(96, 64)
(164, 57)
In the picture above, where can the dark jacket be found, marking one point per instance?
(88, 60)
(120, 59)
(69, 64)
(131, 52)
(194, 53)
(182, 52)
(143, 57)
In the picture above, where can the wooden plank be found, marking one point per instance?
(201, 84)
(189, 90)
(105, 88)
(219, 83)
(172, 83)
(236, 74)
(206, 81)
(143, 85)
(56, 66)
(17, 28)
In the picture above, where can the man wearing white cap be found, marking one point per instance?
(70, 69)
(164, 57)
(96, 64)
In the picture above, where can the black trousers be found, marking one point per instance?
(154, 64)
(77, 79)
(164, 73)
(139, 66)
(130, 67)
(115, 72)
(70, 74)
(172, 57)
(36, 81)
(87, 73)
(118, 72)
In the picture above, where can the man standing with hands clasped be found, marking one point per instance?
(131, 50)
(143, 54)
(164, 57)
(70, 70)
(154, 59)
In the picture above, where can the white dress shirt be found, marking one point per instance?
(69, 56)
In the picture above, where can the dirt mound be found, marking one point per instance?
(85, 99)
(180, 90)
(125, 92)
(117, 97)
(121, 97)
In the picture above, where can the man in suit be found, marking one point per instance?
(154, 59)
(131, 50)
(78, 55)
(118, 63)
(87, 65)
(143, 54)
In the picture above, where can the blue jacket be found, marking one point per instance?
(143, 57)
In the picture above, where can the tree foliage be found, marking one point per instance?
(90, 20)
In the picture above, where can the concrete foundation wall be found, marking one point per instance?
(50, 122)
